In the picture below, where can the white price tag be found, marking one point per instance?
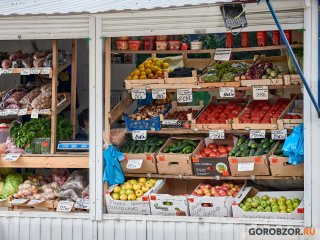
(139, 135)
(19, 201)
(260, 92)
(34, 202)
(159, 93)
(12, 111)
(12, 157)
(222, 54)
(45, 70)
(257, 134)
(82, 203)
(6, 70)
(35, 113)
(227, 92)
(23, 111)
(216, 134)
(184, 95)
(35, 71)
(65, 206)
(243, 167)
(45, 111)
(25, 71)
(3, 113)
(134, 163)
(279, 134)
(138, 94)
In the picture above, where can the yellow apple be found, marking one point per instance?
(149, 184)
(128, 186)
(141, 184)
(123, 191)
(124, 197)
(153, 181)
(136, 186)
(132, 197)
(139, 193)
(130, 191)
(115, 196)
(117, 189)
(142, 180)
(145, 189)
(133, 181)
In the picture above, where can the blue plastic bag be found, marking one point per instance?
(293, 147)
(112, 170)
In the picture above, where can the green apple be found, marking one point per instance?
(296, 200)
(137, 186)
(265, 197)
(263, 203)
(249, 200)
(241, 205)
(268, 202)
(245, 208)
(260, 209)
(149, 184)
(256, 199)
(123, 191)
(289, 202)
(273, 200)
(132, 197)
(281, 202)
(274, 204)
(115, 196)
(248, 204)
(283, 211)
(139, 193)
(275, 209)
(295, 205)
(133, 181)
(283, 198)
(268, 209)
(283, 207)
(254, 210)
(254, 204)
(145, 189)
(289, 210)
(129, 191)
(123, 197)
(117, 189)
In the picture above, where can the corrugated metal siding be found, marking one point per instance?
(188, 20)
(22, 7)
(46, 228)
(44, 27)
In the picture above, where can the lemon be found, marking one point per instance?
(143, 73)
(141, 65)
(141, 68)
(165, 65)
(136, 72)
(150, 76)
(129, 78)
(135, 77)
(143, 77)
(154, 69)
(148, 71)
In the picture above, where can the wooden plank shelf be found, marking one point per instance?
(248, 49)
(210, 177)
(59, 160)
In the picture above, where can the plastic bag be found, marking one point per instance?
(294, 145)
(13, 106)
(17, 63)
(6, 63)
(60, 175)
(12, 148)
(8, 94)
(28, 98)
(112, 171)
(15, 98)
(43, 101)
(16, 55)
(46, 88)
(74, 186)
(38, 63)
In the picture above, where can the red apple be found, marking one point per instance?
(225, 188)
(199, 192)
(208, 194)
(208, 186)
(194, 193)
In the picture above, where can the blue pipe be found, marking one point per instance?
(285, 40)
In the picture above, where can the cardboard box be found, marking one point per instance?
(148, 164)
(212, 206)
(171, 198)
(297, 214)
(280, 166)
(260, 166)
(212, 166)
(140, 206)
(176, 163)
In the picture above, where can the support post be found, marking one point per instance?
(73, 113)
(107, 93)
(54, 96)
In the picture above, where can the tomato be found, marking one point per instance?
(296, 116)
(215, 149)
(223, 150)
(229, 148)
(231, 105)
(212, 154)
(212, 145)
(200, 155)
(207, 151)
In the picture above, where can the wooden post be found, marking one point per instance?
(54, 96)
(74, 87)
(107, 89)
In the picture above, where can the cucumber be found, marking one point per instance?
(146, 148)
(137, 150)
(251, 142)
(153, 148)
(157, 149)
(267, 150)
(260, 152)
(132, 147)
(154, 139)
(238, 154)
(190, 142)
(179, 147)
(241, 140)
(265, 140)
(266, 145)
(252, 152)
(245, 153)
(244, 147)
(166, 150)
(273, 144)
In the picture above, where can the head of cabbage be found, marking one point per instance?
(11, 185)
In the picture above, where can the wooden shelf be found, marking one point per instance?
(60, 160)
(211, 177)
(248, 49)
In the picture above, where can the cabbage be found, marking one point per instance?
(1, 187)
(6, 171)
(11, 185)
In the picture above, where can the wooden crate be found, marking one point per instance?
(182, 80)
(259, 126)
(235, 83)
(49, 205)
(141, 83)
(291, 79)
(290, 123)
(261, 82)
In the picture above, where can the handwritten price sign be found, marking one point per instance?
(279, 134)
(159, 93)
(138, 94)
(184, 95)
(244, 167)
(134, 163)
(260, 92)
(139, 135)
(65, 206)
(257, 134)
(216, 134)
(82, 203)
(227, 92)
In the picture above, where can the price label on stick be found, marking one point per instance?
(134, 163)
(159, 93)
(35, 71)
(25, 71)
(139, 135)
(19, 201)
(35, 113)
(12, 157)
(23, 112)
(243, 167)
(12, 111)
(138, 94)
(184, 95)
(65, 206)
(6, 70)
(45, 70)
(34, 202)
(278, 134)
(227, 92)
(257, 134)
(222, 54)
(260, 92)
(216, 134)
(82, 203)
